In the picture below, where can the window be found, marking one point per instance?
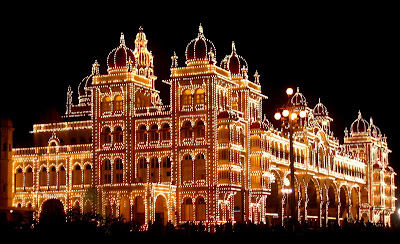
(106, 104)
(87, 175)
(199, 129)
(165, 169)
(200, 167)
(199, 96)
(165, 132)
(186, 97)
(77, 175)
(62, 177)
(142, 170)
(118, 103)
(43, 177)
(106, 135)
(53, 176)
(186, 130)
(119, 136)
(142, 134)
(187, 168)
(154, 169)
(106, 172)
(119, 174)
(153, 133)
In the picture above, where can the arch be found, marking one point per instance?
(118, 134)
(161, 210)
(52, 212)
(153, 133)
(187, 168)
(200, 167)
(118, 171)
(274, 201)
(53, 176)
(186, 97)
(187, 209)
(118, 103)
(186, 130)
(19, 177)
(200, 209)
(62, 176)
(106, 104)
(77, 175)
(199, 129)
(87, 174)
(106, 171)
(142, 169)
(344, 202)
(165, 132)
(154, 169)
(355, 203)
(333, 202)
(141, 133)
(106, 135)
(313, 198)
(138, 211)
(29, 177)
(43, 176)
(199, 96)
(125, 208)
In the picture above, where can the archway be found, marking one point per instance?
(125, 208)
(52, 212)
(344, 203)
(312, 204)
(138, 211)
(273, 203)
(161, 210)
(333, 205)
(355, 204)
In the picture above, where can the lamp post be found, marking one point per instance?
(290, 116)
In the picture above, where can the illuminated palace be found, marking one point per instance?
(210, 155)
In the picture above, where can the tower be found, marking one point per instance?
(6, 172)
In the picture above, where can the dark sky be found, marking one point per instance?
(346, 55)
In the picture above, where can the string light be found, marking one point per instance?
(209, 156)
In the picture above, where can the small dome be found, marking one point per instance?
(84, 87)
(259, 125)
(320, 110)
(375, 131)
(199, 49)
(299, 99)
(360, 125)
(121, 57)
(236, 64)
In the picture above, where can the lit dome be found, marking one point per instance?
(360, 125)
(84, 92)
(299, 99)
(374, 129)
(236, 64)
(320, 110)
(120, 58)
(200, 50)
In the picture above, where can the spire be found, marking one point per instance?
(95, 68)
(174, 61)
(122, 39)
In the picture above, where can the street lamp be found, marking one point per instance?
(291, 116)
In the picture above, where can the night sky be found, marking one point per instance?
(345, 55)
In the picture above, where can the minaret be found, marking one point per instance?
(6, 172)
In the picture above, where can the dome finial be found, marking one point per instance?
(200, 29)
(95, 68)
(233, 47)
(359, 114)
(122, 39)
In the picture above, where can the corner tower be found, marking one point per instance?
(6, 172)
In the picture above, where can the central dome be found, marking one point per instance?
(200, 50)
(120, 58)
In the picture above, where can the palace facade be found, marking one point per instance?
(210, 155)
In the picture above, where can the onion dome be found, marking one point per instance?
(376, 132)
(84, 92)
(360, 125)
(259, 125)
(320, 110)
(299, 99)
(200, 50)
(235, 64)
(144, 58)
(120, 58)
